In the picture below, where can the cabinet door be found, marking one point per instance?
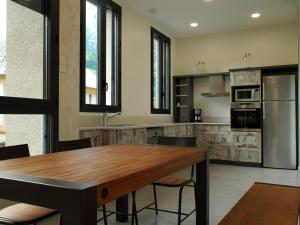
(190, 131)
(94, 135)
(247, 156)
(169, 131)
(126, 136)
(247, 147)
(109, 137)
(140, 136)
(220, 152)
(245, 78)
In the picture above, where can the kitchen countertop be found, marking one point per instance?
(137, 126)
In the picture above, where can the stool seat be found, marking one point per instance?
(170, 181)
(24, 213)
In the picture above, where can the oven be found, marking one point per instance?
(246, 94)
(246, 116)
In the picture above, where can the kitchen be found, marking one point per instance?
(272, 52)
(223, 74)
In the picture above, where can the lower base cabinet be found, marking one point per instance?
(224, 144)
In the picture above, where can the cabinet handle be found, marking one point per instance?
(264, 111)
(263, 90)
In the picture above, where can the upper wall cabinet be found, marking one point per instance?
(245, 78)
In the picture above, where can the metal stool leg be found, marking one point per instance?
(104, 215)
(195, 194)
(155, 199)
(179, 205)
(134, 219)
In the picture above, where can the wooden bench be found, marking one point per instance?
(266, 204)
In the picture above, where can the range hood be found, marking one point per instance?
(216, 87)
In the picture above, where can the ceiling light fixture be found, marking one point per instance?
(194, 24)
(255, 15)
(152, 11)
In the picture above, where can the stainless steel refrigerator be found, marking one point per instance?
(279, 122)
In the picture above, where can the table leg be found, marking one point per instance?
(81, 209)
(202, 193)
(122, 206)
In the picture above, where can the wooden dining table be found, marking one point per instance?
(77, 182)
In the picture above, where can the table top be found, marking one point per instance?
(266, 204)
(119, 169)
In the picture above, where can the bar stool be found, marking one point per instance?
(21, 213)
(86, 143)
(174, 182)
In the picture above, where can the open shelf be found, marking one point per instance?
(182, 96)
(181, 85)
(183, 101)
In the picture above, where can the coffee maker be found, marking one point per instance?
(197, 115)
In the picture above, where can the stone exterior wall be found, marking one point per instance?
(24, 73)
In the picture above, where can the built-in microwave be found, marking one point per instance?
(246, 94)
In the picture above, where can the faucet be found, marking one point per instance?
(106, 117)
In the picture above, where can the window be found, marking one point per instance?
(100, 56)
(29, 74)
(160, 72)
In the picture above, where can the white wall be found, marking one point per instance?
(269, 46)
(214, 109)
(136, 77)
(69, 69)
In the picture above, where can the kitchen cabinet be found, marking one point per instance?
(247, 147)
(179, 131)
(224, 145)
(140, 136)
(126, 136)
(100, 137)
(245, 78)
(217, 138)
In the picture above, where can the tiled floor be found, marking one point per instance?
(227, 185)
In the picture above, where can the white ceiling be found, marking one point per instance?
(217, 15)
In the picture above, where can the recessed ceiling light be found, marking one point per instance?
(207, 0)
(194, 24)
(255, 15)
(152, 11)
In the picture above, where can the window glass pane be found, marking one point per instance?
(156, 77)
(23, 129)
(112, 54)
(92, 54)
(21, 51)
(166, 75)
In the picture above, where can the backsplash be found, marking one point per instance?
(214, 109)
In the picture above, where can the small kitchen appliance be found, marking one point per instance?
(246, 94)
(197, 115)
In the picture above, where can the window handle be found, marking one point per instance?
(106, 86)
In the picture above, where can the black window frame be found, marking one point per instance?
(162, 39)
(101, 85)
(49, 105)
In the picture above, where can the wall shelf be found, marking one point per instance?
(182, 96)
(183, 103)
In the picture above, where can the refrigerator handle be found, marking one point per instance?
(264, 112)
(263, 90)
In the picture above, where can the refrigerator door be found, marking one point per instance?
(279, 87)
(279, 134)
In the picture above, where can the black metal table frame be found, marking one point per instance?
(77, 202)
